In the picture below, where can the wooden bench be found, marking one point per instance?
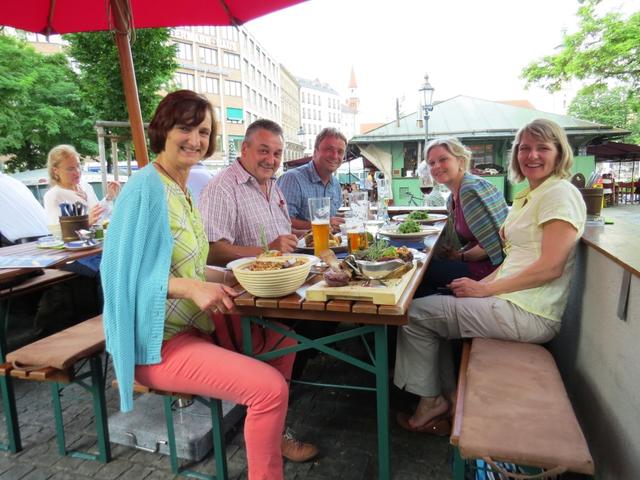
(36, 281)
(59, 359)
(219, 449)
(511, 406)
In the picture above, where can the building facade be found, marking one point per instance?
(320, 107)
(238, 76)
(290, 101)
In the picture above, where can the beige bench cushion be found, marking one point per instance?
(61, 350)
(516, 409)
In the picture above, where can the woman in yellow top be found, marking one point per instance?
(523, 300)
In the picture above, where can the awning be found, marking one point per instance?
(615, 152)
(234, 114)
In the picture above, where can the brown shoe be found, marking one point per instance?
(295, 450)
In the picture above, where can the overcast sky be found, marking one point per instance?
(469, 47)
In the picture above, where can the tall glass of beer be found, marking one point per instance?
(320, 214)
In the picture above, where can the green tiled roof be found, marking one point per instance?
(469, 117)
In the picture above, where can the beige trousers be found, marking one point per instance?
(424, 365)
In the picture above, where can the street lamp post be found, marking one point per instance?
(427, 106)
(301, 134)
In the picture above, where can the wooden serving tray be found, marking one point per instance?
(386, 293)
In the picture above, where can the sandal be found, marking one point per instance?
(438, 425)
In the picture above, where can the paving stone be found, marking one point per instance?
(38, 474)
(16, 472)
(112, 470)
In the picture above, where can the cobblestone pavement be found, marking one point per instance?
(342, 423)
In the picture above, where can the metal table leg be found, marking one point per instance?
(14, 444)
(382, 397)
(378, 367)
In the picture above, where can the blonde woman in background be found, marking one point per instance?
(67, 185)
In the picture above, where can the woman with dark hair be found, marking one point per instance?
(522, 300)
(159, 295)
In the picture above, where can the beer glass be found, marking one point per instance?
(319, 214)
(356, 237)
(359, 205)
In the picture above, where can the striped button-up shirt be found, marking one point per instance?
(233, 208)
(301, 184)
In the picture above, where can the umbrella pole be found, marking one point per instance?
(119, 8)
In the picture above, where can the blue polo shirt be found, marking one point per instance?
(301, 184)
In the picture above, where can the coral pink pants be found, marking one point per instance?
(192, 363)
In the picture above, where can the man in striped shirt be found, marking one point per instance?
(243, 200)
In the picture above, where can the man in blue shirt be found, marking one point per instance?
(316, 179)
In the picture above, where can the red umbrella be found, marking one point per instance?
(69, 16)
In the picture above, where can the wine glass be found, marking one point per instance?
(426, 186)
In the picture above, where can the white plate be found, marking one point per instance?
(393, 233)
(418, 256)
(433, 218)
(337, 249)
(80, 245)
(234, 263)
(50, 243)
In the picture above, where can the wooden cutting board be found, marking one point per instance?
(386, 292)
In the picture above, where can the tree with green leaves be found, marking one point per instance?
(40, 106)
(609, 107)
(603, 54)
(96, 55)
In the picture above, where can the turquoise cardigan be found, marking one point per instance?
(485, 211)
(135, 274)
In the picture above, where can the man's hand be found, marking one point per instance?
(336, 222)
(285, 243)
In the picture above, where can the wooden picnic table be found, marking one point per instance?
(44, 278)
(60, 257)
(365, 317)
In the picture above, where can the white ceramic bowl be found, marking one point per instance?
(272, 283)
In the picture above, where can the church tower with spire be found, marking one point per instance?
(353, 102)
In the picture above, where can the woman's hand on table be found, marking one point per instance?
(213, 297)
(465, 287)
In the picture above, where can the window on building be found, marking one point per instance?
(247, 93)
(185, 51)
(232, 88)
(217, 112)
(208, 55)
(481, 154)
(410, 153)
(229, 33)
(231, 60)
(234, 115)
(209, 85)
(207, 30)
(185, 80)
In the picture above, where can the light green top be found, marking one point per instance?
(188, 259)
(555, 199)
